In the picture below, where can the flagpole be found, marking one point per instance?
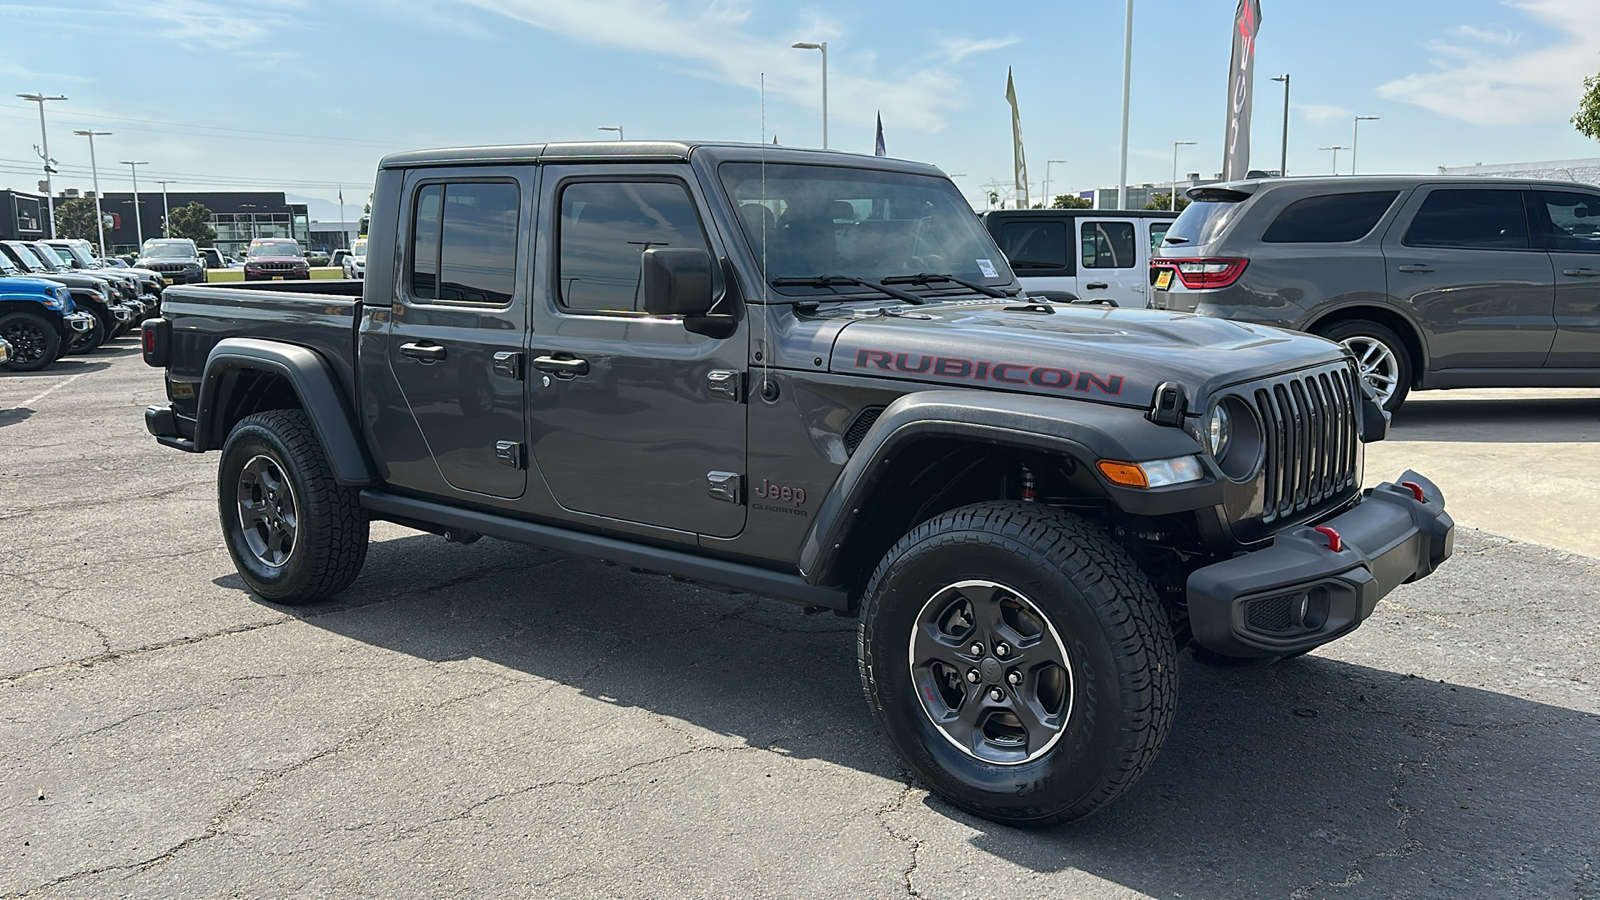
(1127, 85)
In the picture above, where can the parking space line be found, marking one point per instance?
(60, 384)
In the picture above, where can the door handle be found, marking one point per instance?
(1581, 273)
(1097, 285)
(424, 352)
(568, 367)
(1416, 268)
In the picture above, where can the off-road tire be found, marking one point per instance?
(1119, 642)
(44, 343)
(331, 529)
(1372, 331)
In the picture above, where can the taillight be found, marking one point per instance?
(1204, 274)
(155, 339)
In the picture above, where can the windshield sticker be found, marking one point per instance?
(999, 373)
(987, 268)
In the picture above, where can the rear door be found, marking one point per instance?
(1113, 261)
(1040, 251)
(1462, 260)
(457, 327)
(1570, 223)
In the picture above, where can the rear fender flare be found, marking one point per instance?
(312, 382)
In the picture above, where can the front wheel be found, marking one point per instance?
(35, 342)
(1019, 662)
(296, 536)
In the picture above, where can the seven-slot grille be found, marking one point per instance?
(276, 266)
(1309, 424)
(166, 268)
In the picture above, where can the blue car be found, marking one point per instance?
(37, 319)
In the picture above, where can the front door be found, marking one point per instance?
(632, 417)
(457, 328)
(1572, 236)
(1109, 262)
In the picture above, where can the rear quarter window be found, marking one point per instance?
(1202, 222)
(1329, 218)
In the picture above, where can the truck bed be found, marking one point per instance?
(320, 315)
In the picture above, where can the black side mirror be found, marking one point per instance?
(676, 282)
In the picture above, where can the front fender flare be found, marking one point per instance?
(1084, 431)
(320, 396)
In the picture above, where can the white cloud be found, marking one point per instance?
(1482, 83)
(957, 49)
(216, 25)
(718, 43)
(1320, 113)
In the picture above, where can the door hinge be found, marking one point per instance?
(725, 486)
(509, 364)
(510, 453)
(726, 384)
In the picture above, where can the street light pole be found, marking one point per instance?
(616, 128)
(138, 223)
(44, 151)
(1127, 85)
(1283, 159)
(94, 170)
(166, 227)
(1174, 194)
(1355, 138)
(823, 46)
(1335, 150)
(1047, 164)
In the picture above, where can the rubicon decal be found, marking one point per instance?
(992, 372)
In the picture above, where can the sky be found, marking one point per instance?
(307, 96)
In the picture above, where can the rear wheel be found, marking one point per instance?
(1019, 662)
(1381, 358)
(35, 342)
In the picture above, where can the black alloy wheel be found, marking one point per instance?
(269, 517)
(35, 342)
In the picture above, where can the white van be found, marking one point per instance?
(1096, 255)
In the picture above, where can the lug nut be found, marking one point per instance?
(1001, 649)
(972, 675)
(977, 649)
(996, 694)
(1014, 677)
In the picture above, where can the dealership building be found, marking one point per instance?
(238, 217)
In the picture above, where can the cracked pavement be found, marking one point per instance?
(492, 720)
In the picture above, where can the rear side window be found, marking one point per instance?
(1574, 220)
(1202, 222)
(1330, 218)
(1109, 245)
(1470, 219)
(464, 243)
(1034, 245)
(605, 228)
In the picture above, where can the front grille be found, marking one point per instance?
(1309, 419)
(165, 268)
(1275, 614)
(275, 266)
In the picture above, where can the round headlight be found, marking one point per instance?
(1219, 431)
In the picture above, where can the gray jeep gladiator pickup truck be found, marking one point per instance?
(812, 376)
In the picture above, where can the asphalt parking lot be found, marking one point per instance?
(490, 720)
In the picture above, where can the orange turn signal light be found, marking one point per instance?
(1126, 474)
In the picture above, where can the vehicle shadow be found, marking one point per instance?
(71, 365)
(1501, 420)
(1276, 781)
(13, 416)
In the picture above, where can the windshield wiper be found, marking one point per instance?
(832, 280)
(930, 277)
(1175, 240)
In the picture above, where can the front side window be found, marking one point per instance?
(1108, 245)
(605, 228)
(1574, 220)
(1034, 245)
(1470, 219)
(464, 242)
(1330, 218)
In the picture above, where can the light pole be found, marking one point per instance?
(1283, 159)
(138, 223)
(1047, 164)
(94, 170)
(616, 128)
(166, 227)
(1355, 137)
(1127, 84)
(44, 151)
(1174, 194)
(823, 46)
(1336, 148)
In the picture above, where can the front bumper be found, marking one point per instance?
(78, 322)
(1299, 593)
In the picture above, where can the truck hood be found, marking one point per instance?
(1113, 355)
(20, 285)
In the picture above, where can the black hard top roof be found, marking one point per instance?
(645, 151)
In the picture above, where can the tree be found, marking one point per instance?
(1067, 201)
(75, 220)
(190, 222)
(1164, 201)
(1587, 118)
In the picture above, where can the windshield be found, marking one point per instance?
(359, 249)
(1201, 223)
(274, 248)
(168, 251)
(804, 221)
(7, 267)
(49, 255)
(26, 257)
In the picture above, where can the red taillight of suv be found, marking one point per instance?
(1203, 273)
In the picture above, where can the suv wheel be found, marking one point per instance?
(103, 330)
(294, 534)
(35, 342)
(1019, 662)
(1381, 358)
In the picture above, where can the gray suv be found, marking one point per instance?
(1432, 282)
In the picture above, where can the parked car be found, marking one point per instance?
(317, 257)
(177, 259)
(338, 258)
(148, 284)
(1095, 255)
(355, 264)
(37, 319)
(212, 258)
(1430, 281)
(90, 294)
(734, 364)
(275, 259)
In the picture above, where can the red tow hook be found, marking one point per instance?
(1416, 490)
(1335, 543)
